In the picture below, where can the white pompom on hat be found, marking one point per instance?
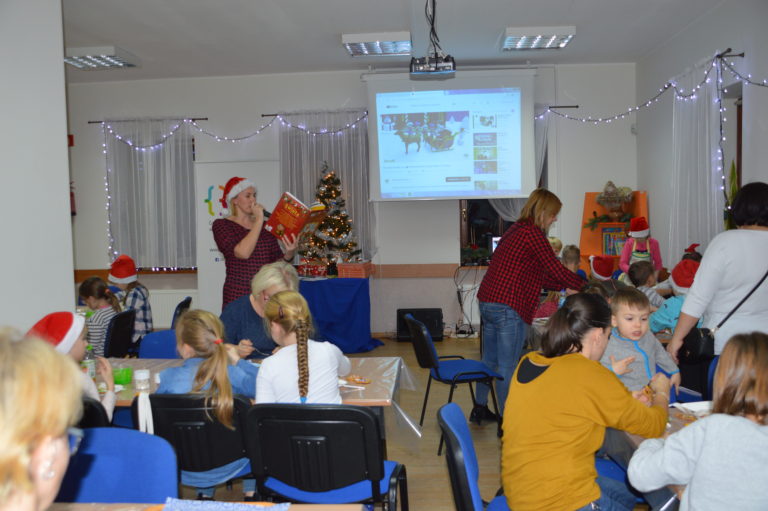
(61, 329)
(638, 227)
(123, 270)
(682, 275)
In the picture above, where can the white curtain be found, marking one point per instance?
(151, 192)
(697, 200)
(509, 209)
(302, 155)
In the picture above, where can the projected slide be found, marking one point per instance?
(447, 143)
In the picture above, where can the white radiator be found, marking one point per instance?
(164, 302)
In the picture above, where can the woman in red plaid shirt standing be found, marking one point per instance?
(522, 264)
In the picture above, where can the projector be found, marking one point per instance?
(435, 67)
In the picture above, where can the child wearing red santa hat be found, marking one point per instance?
(681, 280)
(132, 295)
(640, 246)
(66, 332)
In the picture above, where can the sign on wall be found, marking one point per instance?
(209, 186)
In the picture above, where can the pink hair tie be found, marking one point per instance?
(217, 341)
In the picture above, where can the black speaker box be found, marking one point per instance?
(432, 318)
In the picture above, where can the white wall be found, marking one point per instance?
(736, 24)
(582, 158)
(36, 260)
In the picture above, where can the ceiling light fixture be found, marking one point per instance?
(100, 57)
(379, 44)
(537, 38)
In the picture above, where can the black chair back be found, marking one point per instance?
(119, 339)
(426, 354)
(94, 414)
(181, 308)
(315, 448)
(201, 442)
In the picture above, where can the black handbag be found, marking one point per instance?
(699, 343)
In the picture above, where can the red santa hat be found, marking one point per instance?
(61, 329)
(123, 270)
(233, 187)
(682, 275)
(601, 266)
(638, 227)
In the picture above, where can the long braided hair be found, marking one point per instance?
(290, 310)
(203, 332)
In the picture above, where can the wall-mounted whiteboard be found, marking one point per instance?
(210, 179)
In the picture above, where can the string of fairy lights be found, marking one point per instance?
(717, 65)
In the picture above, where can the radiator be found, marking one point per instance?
(164, 302)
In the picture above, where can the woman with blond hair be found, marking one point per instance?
(244, 318)
(302, 370)
(212, 368)
(722, 458)
(522, 264)
(41, 400)
(242, 239)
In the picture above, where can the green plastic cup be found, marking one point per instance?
(122, 375)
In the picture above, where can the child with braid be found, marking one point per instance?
(302, 370)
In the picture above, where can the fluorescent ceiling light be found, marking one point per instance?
(380, 44)
(100, 57)
(537, 38)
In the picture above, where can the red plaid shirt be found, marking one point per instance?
(522, 264)
(237, 283)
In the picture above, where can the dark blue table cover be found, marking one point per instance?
(341, 311)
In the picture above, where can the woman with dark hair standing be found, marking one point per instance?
(733, 264)
(522, 264)
(561, 400)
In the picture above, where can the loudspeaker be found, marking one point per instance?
(432, 318)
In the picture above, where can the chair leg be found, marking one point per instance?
(450, 399)
(472, 393)
(403, 479)
(426, 397)
(496, 408)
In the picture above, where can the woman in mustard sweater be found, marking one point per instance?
(560, 402)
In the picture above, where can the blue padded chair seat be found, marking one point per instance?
(349, 494)
(498, 504)
(448, 370)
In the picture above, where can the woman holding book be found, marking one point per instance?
(242, 240)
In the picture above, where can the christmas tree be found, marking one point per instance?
(333, 241)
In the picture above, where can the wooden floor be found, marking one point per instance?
(428, 484)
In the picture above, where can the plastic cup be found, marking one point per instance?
(141, 380)
(122, 375)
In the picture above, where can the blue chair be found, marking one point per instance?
(683, 395)
(180, 309)
(116, 465)
(711, 378)
(323, 454)
(160, 344)
(462, 462)
(449, 369)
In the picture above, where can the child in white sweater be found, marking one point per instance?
(721, 459)
(302, 370)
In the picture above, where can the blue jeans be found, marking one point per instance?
(504, 335)
(614, 496)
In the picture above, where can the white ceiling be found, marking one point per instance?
(186, 38)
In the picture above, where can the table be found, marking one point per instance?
(385, 374)
(62, 506)
(341, 311)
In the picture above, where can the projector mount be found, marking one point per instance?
(437, 64)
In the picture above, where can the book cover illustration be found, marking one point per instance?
(613, 240)
(291, 216)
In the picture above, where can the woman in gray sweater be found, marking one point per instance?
(721, 459)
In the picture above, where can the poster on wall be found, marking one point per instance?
(210, 179)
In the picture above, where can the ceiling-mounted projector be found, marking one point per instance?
(437, 64)
(433, 67)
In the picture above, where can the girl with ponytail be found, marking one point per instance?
(103, 302)
(302, 370)
(212, 368)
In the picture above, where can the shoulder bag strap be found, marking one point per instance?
(742, 301)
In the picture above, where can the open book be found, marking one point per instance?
(291, 216)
